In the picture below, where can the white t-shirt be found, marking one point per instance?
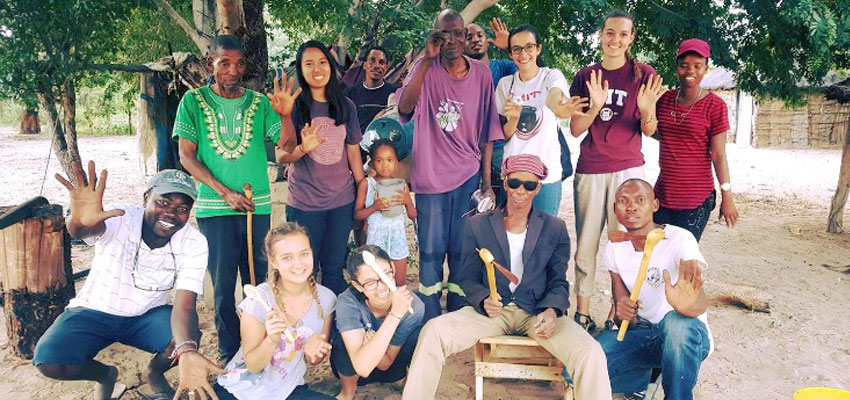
(537, 130)
(516, 243)
(679, 245)
(127, 278)
(287, 367)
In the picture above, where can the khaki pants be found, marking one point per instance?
(594, 205)
(454, 332)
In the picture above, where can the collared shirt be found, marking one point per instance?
(128, 278)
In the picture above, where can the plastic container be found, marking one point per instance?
(387, 188)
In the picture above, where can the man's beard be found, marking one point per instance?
(476, 56)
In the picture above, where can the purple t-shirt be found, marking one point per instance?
(455, 117)
(321, 180)
(614, 141)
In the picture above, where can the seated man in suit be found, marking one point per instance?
(536, 248)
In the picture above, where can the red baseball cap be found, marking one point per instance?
(696, 45)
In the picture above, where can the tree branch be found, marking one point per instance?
(202, 42)
(123, 68)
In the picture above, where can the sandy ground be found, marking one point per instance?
(780, 246)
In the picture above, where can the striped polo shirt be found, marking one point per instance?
(686, 178)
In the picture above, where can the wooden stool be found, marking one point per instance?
(515, 357)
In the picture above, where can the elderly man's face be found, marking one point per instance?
(521, 188)
(228, 68)
(453, 34)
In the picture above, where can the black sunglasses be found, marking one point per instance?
(514, 183)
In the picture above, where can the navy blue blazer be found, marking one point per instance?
(544, 256)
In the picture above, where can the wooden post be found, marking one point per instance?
(835, 221)
(35, 268)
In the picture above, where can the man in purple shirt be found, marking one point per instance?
(451, 98)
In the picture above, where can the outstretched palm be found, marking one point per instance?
(283, 97)
(685, 293)
(87, 198)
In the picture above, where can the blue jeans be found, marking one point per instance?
(328, 231)
(80, 333)
(677, 344)
(694, 220)
(549, 199)
(440, 232)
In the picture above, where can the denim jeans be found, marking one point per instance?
(677, 344)
(693, 220)
(549, 199)
(441, 224)
(328, 231)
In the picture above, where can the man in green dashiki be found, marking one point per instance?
(222, 130)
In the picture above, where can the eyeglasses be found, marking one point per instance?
(152, 279)
(372, 284)
(529, 48)
(515, 183)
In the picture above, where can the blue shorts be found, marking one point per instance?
(80, 333)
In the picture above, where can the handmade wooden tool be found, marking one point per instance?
(249, 193)
(252, 293)
(489, 260)
(369, 259)
(620, 236)
(654, 236)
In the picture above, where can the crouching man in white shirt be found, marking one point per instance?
(141, 254)
(668, 327)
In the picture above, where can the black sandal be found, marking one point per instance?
(609, 325)
(588, 324)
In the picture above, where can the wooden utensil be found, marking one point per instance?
(652, 239)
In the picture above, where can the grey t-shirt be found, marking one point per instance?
(353, 313)
(287, 367)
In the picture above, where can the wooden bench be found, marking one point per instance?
(515, 357)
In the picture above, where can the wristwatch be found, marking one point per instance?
(726, 186)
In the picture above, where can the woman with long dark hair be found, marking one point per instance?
(326, 163)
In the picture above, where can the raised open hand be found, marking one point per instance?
(597, 89)
(283, 97)
(685, 293)
(87, 198)
(567, 108)
(432, 46)
(500, 33)
(649, 94)
(310, 139)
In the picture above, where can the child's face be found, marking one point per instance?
(384, 161)
(293, 258)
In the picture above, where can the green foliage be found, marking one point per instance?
(48, 42)
(401, 26)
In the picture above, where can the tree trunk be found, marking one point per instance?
(203, 16)
(65, 151)
(345, 34)
(256, 45)
(29, 122)
(36, 275)
(201, 41)
(835, 221)
(229, 17)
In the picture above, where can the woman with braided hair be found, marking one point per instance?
(278, 344)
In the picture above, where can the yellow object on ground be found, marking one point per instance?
(821, 393)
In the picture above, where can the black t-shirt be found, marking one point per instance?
(369, 102)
